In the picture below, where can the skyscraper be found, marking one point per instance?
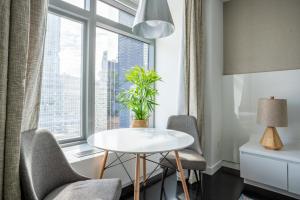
(61, 86)
(60, 98)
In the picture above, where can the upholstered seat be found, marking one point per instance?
(190, 159)
(46, 174)
(90, 189)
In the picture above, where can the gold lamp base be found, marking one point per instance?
(271, 139)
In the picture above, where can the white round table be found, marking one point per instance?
(142, 141)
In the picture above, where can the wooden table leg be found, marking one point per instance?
(144, 169)
(102, 164)
(182, 177)
(137, 178)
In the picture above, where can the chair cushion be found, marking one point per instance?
(104, 189)
(189, 160)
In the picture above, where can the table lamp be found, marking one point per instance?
(272, 113)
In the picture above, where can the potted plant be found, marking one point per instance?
(140, 97)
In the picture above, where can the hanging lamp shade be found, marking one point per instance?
(153, 19)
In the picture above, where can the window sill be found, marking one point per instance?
(70, 152)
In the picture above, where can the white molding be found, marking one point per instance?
(210, 170)
(231, 165)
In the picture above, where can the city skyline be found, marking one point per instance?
(61, 89)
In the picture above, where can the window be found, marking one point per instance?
(114, 14)
(78, 3)
(84, 69)
(60, 98)
(115, 53)
(133, 4)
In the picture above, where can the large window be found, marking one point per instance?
(60, 98)
(115, 54)
(85, 59)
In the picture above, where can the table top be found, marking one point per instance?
(140, 140)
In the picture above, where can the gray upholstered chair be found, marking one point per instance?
(47, 175)
(191, 157)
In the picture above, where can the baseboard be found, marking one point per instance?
(230, 164)
(210, 170)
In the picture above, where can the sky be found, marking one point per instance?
(71, 40)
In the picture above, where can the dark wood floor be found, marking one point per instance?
(225, 184)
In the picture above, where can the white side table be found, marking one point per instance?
(278, 171)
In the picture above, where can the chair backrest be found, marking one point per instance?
(187, 124)
(43, 165)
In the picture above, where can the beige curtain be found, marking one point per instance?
(22, 32)
(193, 62)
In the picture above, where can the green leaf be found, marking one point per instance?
(140, 98)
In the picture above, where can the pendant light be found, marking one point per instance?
(153, 19)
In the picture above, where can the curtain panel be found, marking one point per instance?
(193, 66)
(193, 62)
(22, 36)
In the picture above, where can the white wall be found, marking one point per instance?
(168, 58)
(240, 95)
(230, 101)
(213, 37)
(168, 62)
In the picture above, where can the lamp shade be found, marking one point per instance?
(272, 112)
(153, 19)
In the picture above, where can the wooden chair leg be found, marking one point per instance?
(144, 169)
(137, 178)
(182, 177)
(103, 164)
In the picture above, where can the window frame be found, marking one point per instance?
(91, 21)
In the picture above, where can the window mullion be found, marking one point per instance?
(87, 5)
(90, 115)
(151, 61)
